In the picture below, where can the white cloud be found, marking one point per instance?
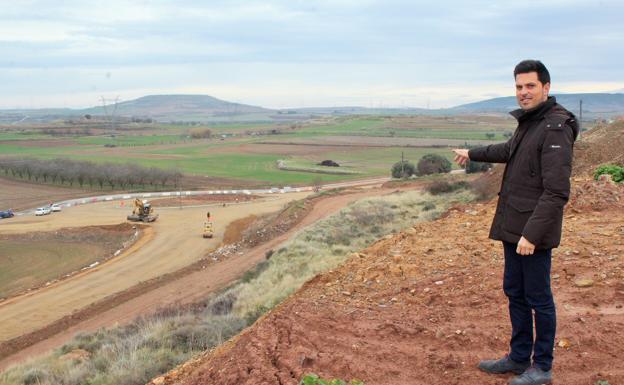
(277, 53)
(30, 31)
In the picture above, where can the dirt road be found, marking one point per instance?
(174, 242)
(191, 287)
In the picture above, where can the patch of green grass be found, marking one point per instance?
(313, 379)
(44, 152)
(352, 126)
(370, 126)
(307, 166)
(259, 167)
(22, 136)
(133, 140)
(616, 172)
(372, 161)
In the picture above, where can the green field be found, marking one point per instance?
(370, 161)
(390, 128)
(136, 140)
(21, 136)
(242, 157)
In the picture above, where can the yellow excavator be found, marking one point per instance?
(208, 229)
(143, 212)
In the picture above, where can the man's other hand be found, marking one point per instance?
(461, 156)
(525, 247)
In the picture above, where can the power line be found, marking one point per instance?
(110, 116)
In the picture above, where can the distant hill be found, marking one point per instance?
(594, 105)
(183, 107)
(603, 104)
(204, 108)
(164, 108)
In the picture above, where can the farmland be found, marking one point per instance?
(364, 146)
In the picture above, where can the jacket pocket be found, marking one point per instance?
(517, 213)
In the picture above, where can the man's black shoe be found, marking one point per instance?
(533, 376)
(504, 365)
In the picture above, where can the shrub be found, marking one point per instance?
(429, 206)
(35, 376)
(313, 379)
(253, 315)
(201, 133)
(442, 186)
(616, 172)
(403, 169)
(223, 304)
(473, 167)
(253, 273)
(433, 164)
(485, 187)
(328, 163)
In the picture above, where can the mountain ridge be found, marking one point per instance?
(172, 107)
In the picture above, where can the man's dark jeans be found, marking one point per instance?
(527, 285)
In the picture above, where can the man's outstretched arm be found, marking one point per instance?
(494, 153)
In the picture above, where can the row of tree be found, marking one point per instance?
(433, 164)
(66, 171)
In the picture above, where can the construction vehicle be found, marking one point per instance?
(208, 229)
(143, 212)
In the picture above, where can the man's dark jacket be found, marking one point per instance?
(536, 181)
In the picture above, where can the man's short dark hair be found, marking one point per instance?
(527, 66)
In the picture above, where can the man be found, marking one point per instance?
(528, 219)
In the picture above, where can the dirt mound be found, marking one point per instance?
(591, 195)
(602, 144)
(75, 234)
(234, 231)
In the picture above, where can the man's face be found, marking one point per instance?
(530, 92)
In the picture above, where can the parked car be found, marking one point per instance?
(6, 214)
(55, 208)
(43, 211)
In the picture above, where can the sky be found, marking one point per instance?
(295, 53)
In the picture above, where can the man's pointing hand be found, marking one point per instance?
(461, 156)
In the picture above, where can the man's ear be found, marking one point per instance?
(546, 89)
